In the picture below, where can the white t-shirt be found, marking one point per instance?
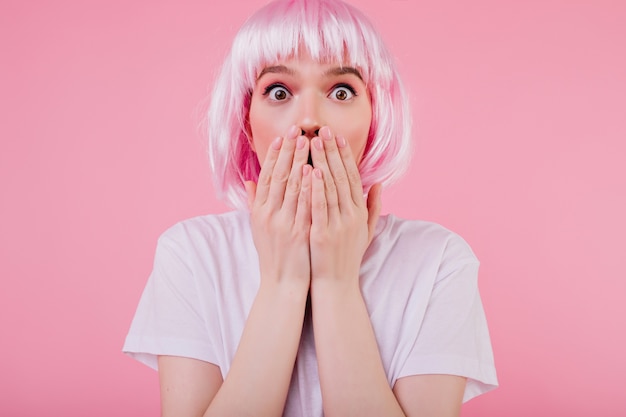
(418, 279)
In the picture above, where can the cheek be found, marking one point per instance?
(261, 131)
(356, 134)
(358, 147)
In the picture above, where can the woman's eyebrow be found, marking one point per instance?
(282, 69)
(344, 70)
(276, 69)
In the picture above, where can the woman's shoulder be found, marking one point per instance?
(426, 237)
(208, 228)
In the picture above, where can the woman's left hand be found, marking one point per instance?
(342, 221)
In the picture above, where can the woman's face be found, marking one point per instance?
(305, 93)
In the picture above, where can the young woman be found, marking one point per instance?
(304, 301)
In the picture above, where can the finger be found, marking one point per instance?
(292, 191)
(319, 204)
(303, 212)
(282, 168)
(336, 168)
(352, 171)
(265, 176)
(318, 154)
(374, 205)
(250, 187)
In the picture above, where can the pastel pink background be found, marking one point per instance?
(520, 120)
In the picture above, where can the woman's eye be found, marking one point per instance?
(276, 92)
(343, 93)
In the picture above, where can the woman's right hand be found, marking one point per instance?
(280, 211)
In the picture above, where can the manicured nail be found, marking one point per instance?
(317, 172)
(341, 141)
(318, 143)
(325, 133)
(300, 142)
(276, 143)
(293, 132)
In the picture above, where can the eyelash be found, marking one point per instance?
(347, 87)
(271, 87)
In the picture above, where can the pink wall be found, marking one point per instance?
(520, 111)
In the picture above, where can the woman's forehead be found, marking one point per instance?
(294, 64)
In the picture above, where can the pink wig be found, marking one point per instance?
(330, 31)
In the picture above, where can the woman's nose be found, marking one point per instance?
(310, 133)
(309, 115)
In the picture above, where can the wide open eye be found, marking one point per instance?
(342, 92)
(276, 92)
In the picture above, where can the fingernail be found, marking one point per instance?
(325, 133)
(300, 142)
(276, 143)
(341, 141)
(317, 172)
(293, 132)
(306, 169)
(318, 143)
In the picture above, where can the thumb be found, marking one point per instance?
(374, 205)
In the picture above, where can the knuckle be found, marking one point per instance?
(354, 176)
(293, 184)
(303, 200)
(317, 238)
(265, 178)
(302, 234)
(340, 178)
(280, 176)
(321, 204)
(330, 187)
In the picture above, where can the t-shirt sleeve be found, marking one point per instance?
(169, 319)
(454, 338)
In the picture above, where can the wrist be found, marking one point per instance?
(336, 286)
(294, 289)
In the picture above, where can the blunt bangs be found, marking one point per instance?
(329, 31)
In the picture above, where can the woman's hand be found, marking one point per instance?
(280, 218)
(352, 376)
(280, 211)
(342, 222)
